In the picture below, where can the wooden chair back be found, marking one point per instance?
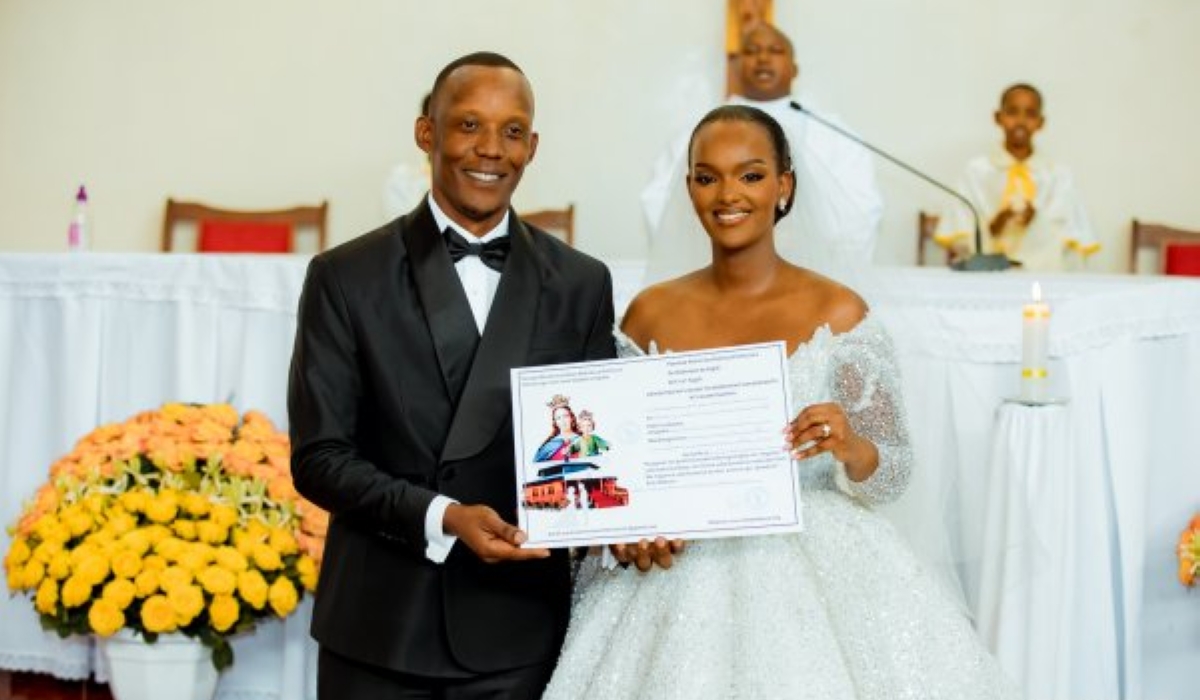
(559, 222)
(1176, 250)
(926, 229)
(233, 230)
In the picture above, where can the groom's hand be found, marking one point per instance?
(486, 534)
(646, 554)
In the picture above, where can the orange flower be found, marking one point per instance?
(120, 523)
(105, 618)
(120, 592)
(1187, 572)
(283, 541)
(314, 521)
(76, 592)
(18, 553)
(312, 546)
(59, 566)
(209, 431)
(175, 577)
(252, 587)
(231, 559)
(158, 615)
(248, 450)
(177, 412)
(188, 602)
(238, 465)
(163, 508)
(265, 557)
(146, 583)
(307, 568)
(196, 504)
(221, 414)
(224, 515)
(126, 564)
(46, 601)
(224, 611)
(283, 596)
(218, 580)
(211, 533)
(1188, 551)
(280, 488)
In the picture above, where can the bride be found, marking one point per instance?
(841, 610)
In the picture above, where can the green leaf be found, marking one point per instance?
(222, 655)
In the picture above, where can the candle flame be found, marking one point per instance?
(1037, 291)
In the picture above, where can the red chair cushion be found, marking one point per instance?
(245, 237)
(1181, 259)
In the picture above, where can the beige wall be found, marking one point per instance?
(274, 102)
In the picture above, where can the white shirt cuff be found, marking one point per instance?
(437, 542)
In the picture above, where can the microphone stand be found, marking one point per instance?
(979, 262)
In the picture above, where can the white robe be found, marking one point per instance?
(403, 189)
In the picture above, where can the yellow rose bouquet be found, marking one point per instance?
(1189, 553)
(182, 519)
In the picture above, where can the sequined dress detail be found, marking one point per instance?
(841, 611)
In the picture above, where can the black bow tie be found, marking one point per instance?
(493, 253)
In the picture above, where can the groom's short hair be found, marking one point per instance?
(487, 59)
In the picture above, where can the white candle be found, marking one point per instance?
(1035, 346)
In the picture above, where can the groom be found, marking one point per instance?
(401, 421)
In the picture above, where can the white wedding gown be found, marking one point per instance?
(842, 610)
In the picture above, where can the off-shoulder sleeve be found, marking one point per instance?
(627, 348)
(866, 384)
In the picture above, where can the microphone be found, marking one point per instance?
(979, 262)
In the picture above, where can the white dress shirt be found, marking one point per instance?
(479, 282)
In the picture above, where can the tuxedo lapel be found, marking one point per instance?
(447, 310)
(486, 400)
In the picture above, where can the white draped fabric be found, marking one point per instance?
(1037, 603)
(95, 338)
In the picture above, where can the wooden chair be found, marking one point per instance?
(926, 229)
(217, 230)
(559, 222)
(1178, 250)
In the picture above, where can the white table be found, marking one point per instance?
(96, 338)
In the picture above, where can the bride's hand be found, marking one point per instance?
(823, 427)
(646, 554)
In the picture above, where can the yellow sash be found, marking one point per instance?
(1020, 185)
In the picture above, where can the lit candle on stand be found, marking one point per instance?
(1035, 347)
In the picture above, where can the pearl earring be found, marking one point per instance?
(782, 204)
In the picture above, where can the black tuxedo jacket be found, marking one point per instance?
(393, 398)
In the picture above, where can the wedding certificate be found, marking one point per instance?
(682, 445)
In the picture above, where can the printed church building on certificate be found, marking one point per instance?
(567, 485)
